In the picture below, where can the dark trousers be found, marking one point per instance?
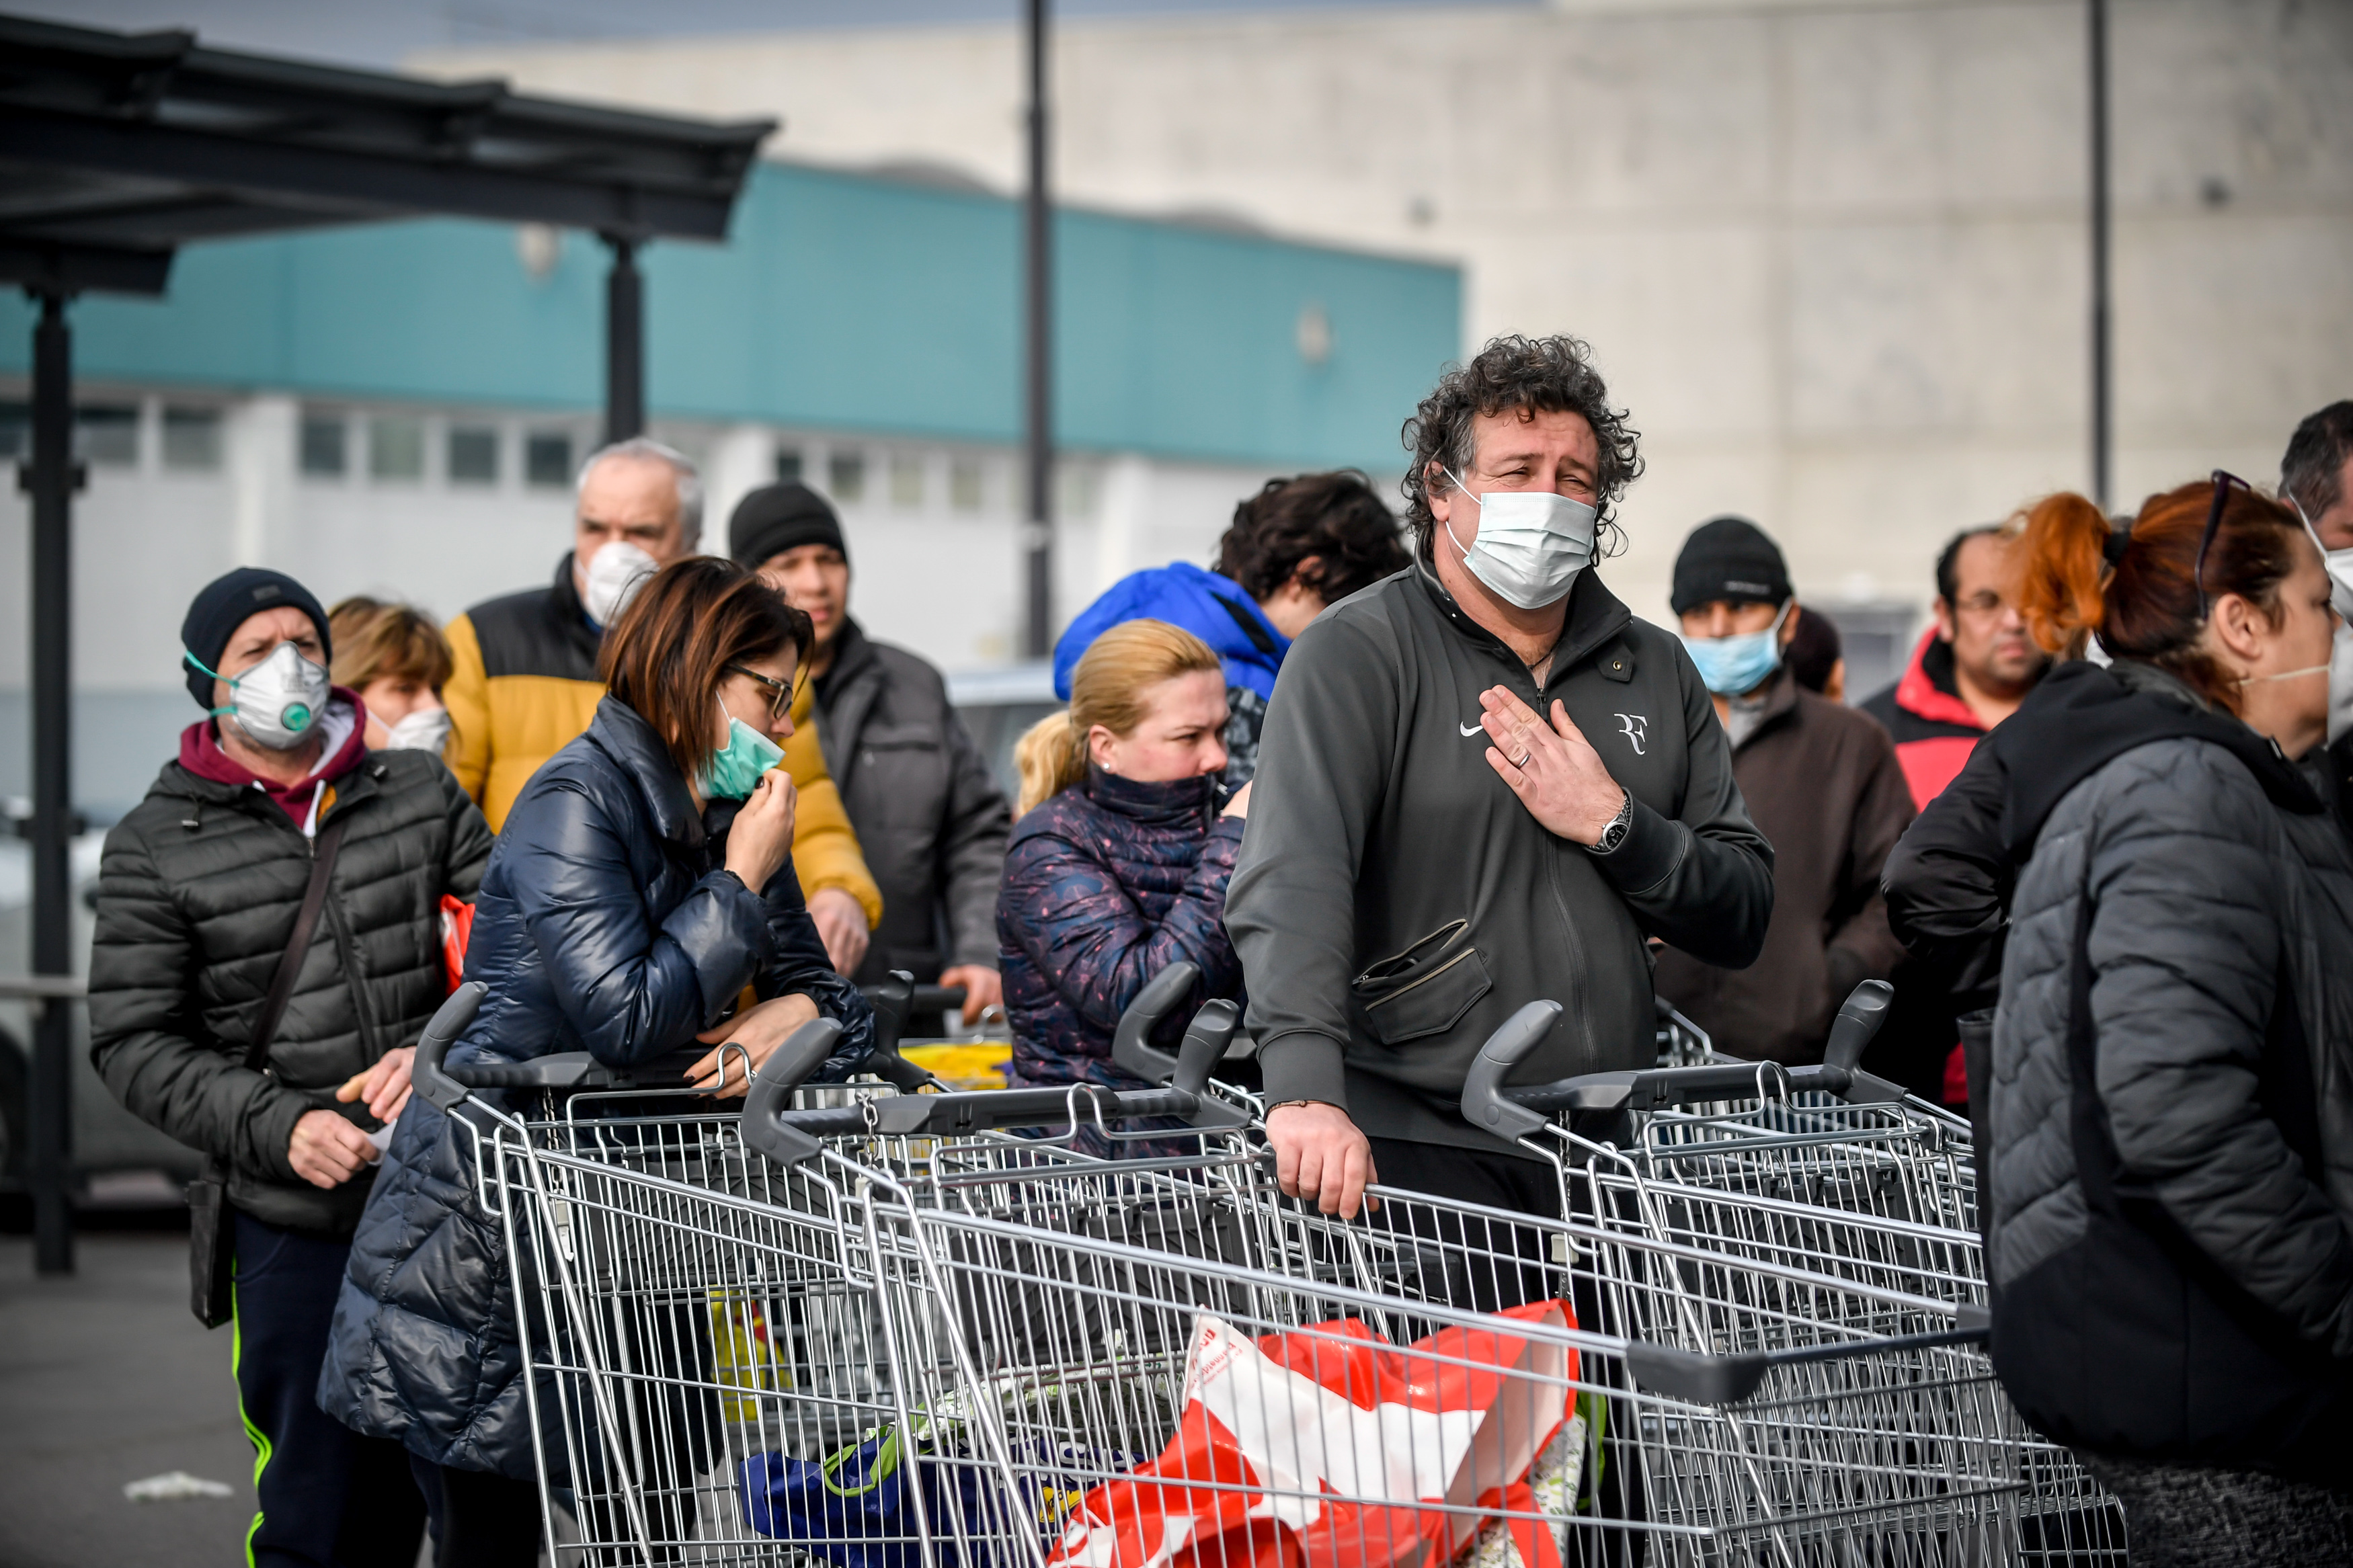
(478, 1520)
(2204, 1515)
(327, 1497)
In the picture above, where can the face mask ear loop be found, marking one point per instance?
(1464, 492)
(201, 668)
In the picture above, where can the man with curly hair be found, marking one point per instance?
(1486, 783)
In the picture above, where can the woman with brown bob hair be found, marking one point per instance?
(641, 885)
(396, 661)
(2167, 1142)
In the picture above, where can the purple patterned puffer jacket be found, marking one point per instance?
(1105, 885)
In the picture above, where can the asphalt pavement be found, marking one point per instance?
(105, 1379)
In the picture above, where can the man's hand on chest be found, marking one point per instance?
(1555, 770)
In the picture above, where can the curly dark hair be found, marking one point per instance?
(1552, 376)
(1337, 518)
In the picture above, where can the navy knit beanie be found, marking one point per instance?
(225, 604)
(1729, 559)
(777, 518)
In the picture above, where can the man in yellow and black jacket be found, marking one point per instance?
(524, 684)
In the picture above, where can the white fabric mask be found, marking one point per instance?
(616, 572)
(423, 730)
(2339, 563)
(1531, 544)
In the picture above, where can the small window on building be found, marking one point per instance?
(16, 430)
(845, 476)
(396, 447)
(963, 483)
(547, 459)
(907, 479)
(107, 434)
(789, 465)
(1076, 489)
(473, 455)
(323, 446)
(192, 440)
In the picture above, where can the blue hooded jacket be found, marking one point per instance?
(1213, 608)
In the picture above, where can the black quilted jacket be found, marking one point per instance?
(607, 923)
(197, 893)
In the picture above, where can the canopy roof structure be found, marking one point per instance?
(117, 147)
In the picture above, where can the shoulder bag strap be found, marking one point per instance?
(290, 964)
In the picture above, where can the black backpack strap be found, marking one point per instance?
(298, 946)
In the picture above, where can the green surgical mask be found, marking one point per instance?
(735, 768)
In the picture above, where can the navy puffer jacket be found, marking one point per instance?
(606, 923)
(1105, 885)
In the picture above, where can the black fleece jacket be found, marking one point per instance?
(1394, 902)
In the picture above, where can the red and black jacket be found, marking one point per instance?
(1935, 730)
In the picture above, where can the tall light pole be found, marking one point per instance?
(2103, 408)
(1038, 238)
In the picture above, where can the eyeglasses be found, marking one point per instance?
(780, 692)
(2224, 481)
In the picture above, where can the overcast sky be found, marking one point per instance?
(381, 33)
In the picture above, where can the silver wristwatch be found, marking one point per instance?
(1620, 825)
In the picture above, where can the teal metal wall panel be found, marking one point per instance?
(840, 302)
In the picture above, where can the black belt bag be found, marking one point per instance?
(212, 1227)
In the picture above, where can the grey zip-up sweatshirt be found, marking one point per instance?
(1394, 902)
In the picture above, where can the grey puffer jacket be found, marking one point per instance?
(2171, 1118)
(197, 897)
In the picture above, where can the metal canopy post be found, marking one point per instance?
(51, 478)
(2103, 408)
(1037, 633)
(625, 343)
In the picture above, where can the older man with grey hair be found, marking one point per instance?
(1484, 783)
(524, 678)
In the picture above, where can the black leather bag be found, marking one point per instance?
(212, 1226)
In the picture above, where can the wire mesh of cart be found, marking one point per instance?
(1257, 1379)
(1831, 1135)
(1804, 1183)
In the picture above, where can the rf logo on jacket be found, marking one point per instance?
(1637, 728)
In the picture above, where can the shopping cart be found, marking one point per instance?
(1747, 1410)
(1823, 1167)
(683, 1303)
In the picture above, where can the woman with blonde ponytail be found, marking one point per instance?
(2166, 1114)
(1119, 863)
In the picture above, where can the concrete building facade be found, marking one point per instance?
(1831, 253)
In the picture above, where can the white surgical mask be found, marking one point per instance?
(2339, 563)
(616, 572)
(423, 730)
(279, 701)
(1530, 545)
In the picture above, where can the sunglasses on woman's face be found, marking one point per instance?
(2223, 484)
(780, 692)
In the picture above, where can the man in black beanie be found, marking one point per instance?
(927, 811)
(277, 845)
(1821, 780)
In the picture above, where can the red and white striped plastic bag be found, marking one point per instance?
(1329, 1448)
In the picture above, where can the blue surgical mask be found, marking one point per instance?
(735, 768)
(1733, 665)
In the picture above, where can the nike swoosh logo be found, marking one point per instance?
(1475, 728)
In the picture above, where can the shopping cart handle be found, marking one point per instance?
(1485, 1101)
(767, 1105)
(1853, 1085)
(1694, 1378)
(1858, 1021)
(893, 1001)
(1131, 1046)
(564, 1070)
(1207, 1039)
(424, 1071)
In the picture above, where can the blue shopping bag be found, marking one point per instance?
(854, 1509)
